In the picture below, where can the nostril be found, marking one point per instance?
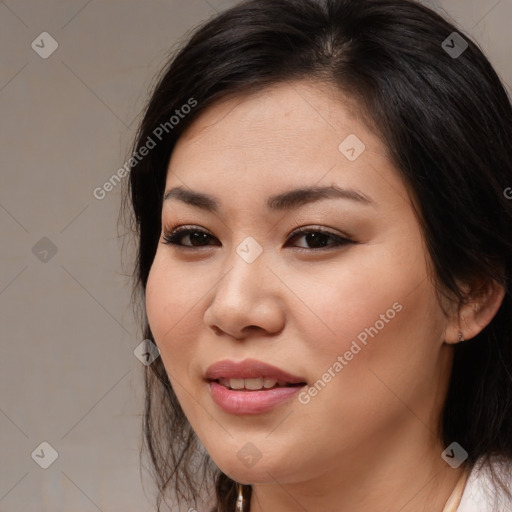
(216, 330)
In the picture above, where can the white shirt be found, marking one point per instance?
(481, 495)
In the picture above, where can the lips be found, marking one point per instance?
(247, 373)
(251, 386)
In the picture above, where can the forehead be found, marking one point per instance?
(292, 133)
(277, 115)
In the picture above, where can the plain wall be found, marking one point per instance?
(68, 373)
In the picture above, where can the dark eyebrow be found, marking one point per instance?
(284, 201)
(300, 196)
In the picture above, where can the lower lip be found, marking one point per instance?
(250, 402)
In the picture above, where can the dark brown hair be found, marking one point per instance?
(447, 123)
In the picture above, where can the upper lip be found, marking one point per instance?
(247, 369)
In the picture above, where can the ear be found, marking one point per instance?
(476, 312)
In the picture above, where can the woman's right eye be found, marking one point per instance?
(196, 237)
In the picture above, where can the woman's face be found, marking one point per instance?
(349, 310)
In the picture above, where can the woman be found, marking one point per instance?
(324, 252)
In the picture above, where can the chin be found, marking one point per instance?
(263, 470)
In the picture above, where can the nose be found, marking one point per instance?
(248, 298)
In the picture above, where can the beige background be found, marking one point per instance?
(67, 369)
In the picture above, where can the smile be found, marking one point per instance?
(253, 384)
(251, 401)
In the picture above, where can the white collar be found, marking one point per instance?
(480, 493)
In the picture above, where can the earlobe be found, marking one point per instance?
(476, 313)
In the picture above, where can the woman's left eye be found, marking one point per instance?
(315, 239)
(319, 239)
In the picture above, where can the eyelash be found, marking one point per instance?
(173, 236)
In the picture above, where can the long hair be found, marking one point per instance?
(446, 120)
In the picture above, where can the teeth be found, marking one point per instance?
(269, 383)
(252, 384)
(237, 383)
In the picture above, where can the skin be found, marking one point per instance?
(368, 439)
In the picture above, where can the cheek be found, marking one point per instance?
(172, 295)
(360, 298)
(379, 315)
(384, 344)
(170, 303)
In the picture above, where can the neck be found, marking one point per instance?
(391, 477)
